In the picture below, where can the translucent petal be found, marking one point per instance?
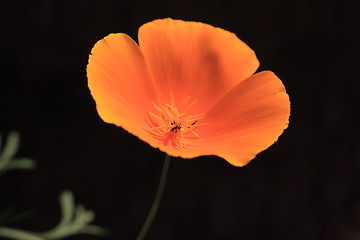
(194, 59)
(120, 83)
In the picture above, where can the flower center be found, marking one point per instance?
(173, 128)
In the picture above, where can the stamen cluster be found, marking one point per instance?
(171, 127)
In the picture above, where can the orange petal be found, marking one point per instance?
(248, 119)
(119, 82)
(194, 59)
(192, 71)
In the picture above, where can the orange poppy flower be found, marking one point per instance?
(188, 89)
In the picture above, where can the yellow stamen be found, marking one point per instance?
(171, 127)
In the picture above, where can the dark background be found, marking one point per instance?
(306, 186)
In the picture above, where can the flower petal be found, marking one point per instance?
(188, 91)
(194, 59)
(119, 82)
(248, 119)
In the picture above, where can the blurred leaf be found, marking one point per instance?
(21, 163)
(74, 220)
(67, 207)
(7, 160)
(10, 233)
(11, 147)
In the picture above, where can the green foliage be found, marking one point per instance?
(75, 218)
(7, 160)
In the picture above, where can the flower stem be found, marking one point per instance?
(145, 228)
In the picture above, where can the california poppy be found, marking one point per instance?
(189, 89)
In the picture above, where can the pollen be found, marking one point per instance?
(172, 128)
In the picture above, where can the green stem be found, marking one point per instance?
(17, 234)
(155, 206)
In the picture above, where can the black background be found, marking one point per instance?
(306, 186)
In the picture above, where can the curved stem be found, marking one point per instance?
(145, 228)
